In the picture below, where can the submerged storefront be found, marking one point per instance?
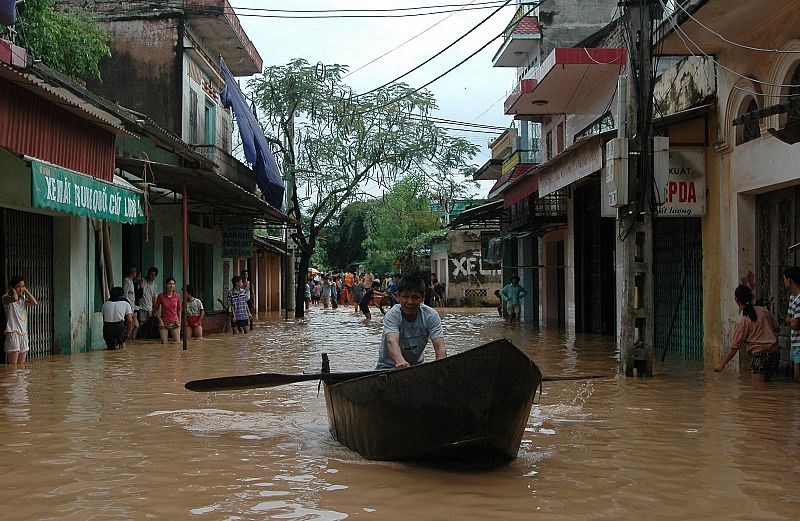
(60, 232)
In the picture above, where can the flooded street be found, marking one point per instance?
(114, 435)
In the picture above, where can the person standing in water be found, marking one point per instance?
(15, 303)
(755, 331)
(791, 281)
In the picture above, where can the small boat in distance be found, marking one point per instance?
(470, 406)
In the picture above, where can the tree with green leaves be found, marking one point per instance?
(338, 146)
(68, 41)
(344, 243)
(396, 220)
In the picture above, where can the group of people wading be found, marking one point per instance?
(407, 326)
(362, 290)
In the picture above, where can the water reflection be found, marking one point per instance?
(113, 435)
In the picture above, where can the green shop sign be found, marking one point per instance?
(70, 192)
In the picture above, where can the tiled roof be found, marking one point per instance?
(527, 25)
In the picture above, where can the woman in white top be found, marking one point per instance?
(15, 301)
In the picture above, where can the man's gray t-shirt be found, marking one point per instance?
(413, 335)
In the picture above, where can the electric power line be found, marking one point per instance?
(684, 37)
(724, 39)
(405, 42)
(211, 11)
(457, 122)
(437, 78)
(442, 51)
(495, 132)
(494, 2)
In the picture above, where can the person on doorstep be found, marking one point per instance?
(129, 286)
(16, 302)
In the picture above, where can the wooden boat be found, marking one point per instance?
(470, 406)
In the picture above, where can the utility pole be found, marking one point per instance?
(636, 322)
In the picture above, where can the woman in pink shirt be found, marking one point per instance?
(755, 331)
(169, 320)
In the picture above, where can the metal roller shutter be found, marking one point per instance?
(28, 252)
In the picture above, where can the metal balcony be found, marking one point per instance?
(228, 166)
(218, 26)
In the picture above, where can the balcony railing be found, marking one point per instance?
(518, 157)
(228, 166)
(522, 11)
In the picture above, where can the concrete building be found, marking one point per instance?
(166, 66)
(752, 182)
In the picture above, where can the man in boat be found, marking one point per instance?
(408, 326)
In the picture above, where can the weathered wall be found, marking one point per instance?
(464, 270)
(144, 72)
(564, 23)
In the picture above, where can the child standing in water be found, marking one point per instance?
(755, 331)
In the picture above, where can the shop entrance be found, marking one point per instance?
(27, 250)
(595, 243)
(678, 276)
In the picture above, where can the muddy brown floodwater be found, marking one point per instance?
(114, 435)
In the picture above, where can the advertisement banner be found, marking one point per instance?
(66, 191)
(682, 188)
(237, 237)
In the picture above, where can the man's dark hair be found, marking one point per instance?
(792, 272)
(152, 269)
(235, 280)
(116, 293)
(14, 280)
(411, 283)
(189, 289)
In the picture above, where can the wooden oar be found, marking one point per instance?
(255, 381)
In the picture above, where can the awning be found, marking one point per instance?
(491, 211)
(569, 81)
(683, 115)
(205, 188)
(575, 162)
(520, 188)
(489, 171)
(62, 190)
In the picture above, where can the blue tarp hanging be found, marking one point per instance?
(256, 150)
(8, 12)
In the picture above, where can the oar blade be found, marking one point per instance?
(549, 378)
(253, 381)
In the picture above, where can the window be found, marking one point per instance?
(548, 144)
(794, 115)
(560, 138)
(193, 131)
(599, 126)
(750, 130)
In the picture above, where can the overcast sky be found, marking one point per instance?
(474, 92)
